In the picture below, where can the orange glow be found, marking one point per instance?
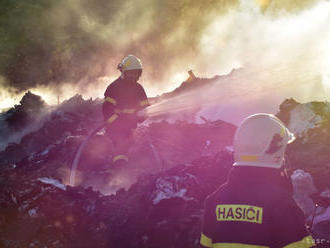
(264, 3)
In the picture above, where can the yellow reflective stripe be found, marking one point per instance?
(112, 118)
(125, 111)
(236, 245)
(248, 158)
(306, 242)
(111, 100)
(128, 111)
(144, 103)
(206, 241)
(120, 157)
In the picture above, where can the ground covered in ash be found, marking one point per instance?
(157, 200)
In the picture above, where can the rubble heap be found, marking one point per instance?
(154, 202)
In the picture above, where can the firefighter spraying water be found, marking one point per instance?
(123, 99)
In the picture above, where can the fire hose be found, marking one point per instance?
(79, 152)
(82, 146)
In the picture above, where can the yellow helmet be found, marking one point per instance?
(130, 62)
(261, 140)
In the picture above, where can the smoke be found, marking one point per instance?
(57, 43)
(287, 51)
(283, 56)
(78, 41)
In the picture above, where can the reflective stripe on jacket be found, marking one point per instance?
(123, 97)
(254, 209)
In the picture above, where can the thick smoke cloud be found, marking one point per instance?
(50, 43)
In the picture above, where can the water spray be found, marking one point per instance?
(214, 93)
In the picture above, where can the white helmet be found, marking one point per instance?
(261, 140)
(130, 62)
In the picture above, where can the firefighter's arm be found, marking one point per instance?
(206, 233)
(109, 106)
(289, 229)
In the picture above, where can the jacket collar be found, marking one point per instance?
(260, 177)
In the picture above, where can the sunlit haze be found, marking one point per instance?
(281, 46)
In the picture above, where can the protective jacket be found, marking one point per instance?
(123, 99)
(254, 208)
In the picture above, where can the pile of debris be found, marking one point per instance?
(38, 208)
(157, 201)
(159, 210)
(30, 107)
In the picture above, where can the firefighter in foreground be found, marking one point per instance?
(123, 99)
(255, 207)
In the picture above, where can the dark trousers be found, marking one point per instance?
(121, 134)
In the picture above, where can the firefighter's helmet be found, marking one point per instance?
(130, 62)
(261, 140)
